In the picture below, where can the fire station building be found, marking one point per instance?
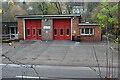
(56, 27)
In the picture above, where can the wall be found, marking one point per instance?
(47, 34)
(20, 28)
(75, 28)
(76, 31)
(5, 28)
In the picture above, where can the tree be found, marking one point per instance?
(43, 6)
(107, 14)
(58, 7)
(52, 8)
(9, 11)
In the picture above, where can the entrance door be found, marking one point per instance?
(13, 32)
(61, 29)
(33, 29)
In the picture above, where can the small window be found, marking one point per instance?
(82, 31)
(91, 30)
(33, 31)
(55, 31)
(13, 30)
(87, 31)
(61, 31)
(28, 31)
(68, 32)
(39, 31)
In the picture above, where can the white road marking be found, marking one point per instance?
(27, 77)
(2, 64)
(32, 77)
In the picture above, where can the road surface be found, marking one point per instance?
(49, 72)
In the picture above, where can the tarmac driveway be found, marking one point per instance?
(59, 52)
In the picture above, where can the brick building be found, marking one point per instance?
(56, 27)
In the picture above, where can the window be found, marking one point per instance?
(82, 31)
(91, 31)
(61, 31)
(16, 30)
(55, 31)
(87, 31)
(67, 31)
(12, 30)
(39, 31)
(33, 31)
(28, 31)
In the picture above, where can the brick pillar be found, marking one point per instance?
(20, 28)
(75, 28)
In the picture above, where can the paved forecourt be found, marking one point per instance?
(59, 52)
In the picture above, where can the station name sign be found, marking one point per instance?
(46, 27)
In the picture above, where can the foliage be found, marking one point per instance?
(10, 3)
(43, 6)
(107, 14)
(101, 16)
(46, 8)
(112, 19)
(0, 10)
(99, 75)
(92, 69)
(117, 40)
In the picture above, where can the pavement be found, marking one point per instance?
(59, 53)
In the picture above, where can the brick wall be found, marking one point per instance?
(75, 28)
(20, 28)
(76, 31)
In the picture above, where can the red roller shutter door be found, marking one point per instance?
(61, 29)
(33, 29)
